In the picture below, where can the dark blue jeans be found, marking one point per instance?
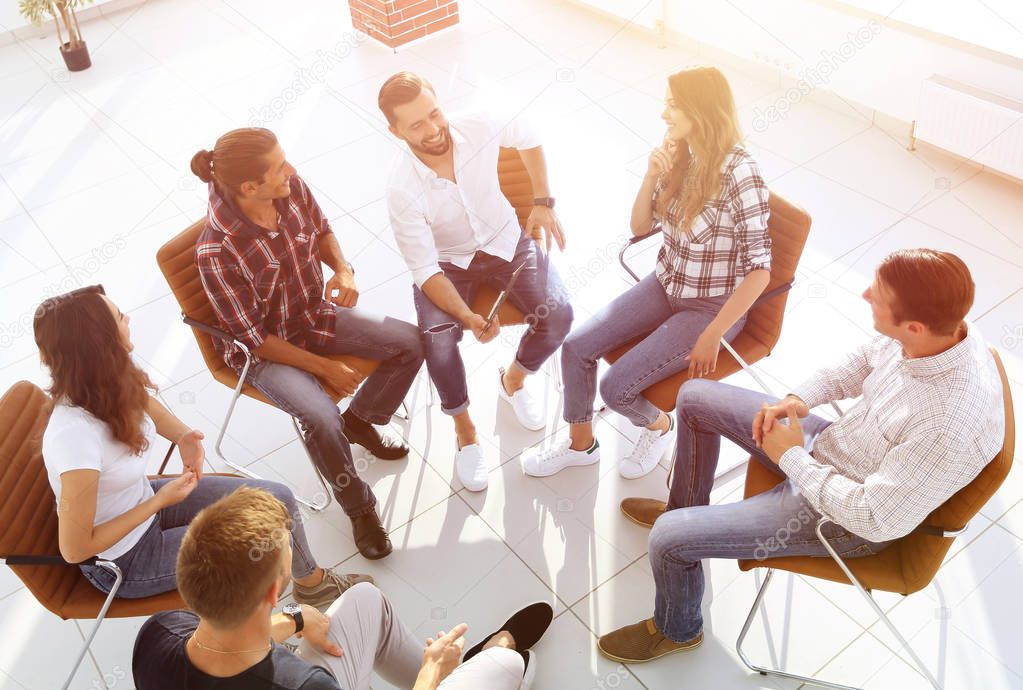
(149, 567)
(671, 327)
(779, 522)
(538, 294)
(396, 345)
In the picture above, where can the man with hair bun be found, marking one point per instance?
(259, 259)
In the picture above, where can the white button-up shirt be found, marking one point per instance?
(435, 220)
(924, 428)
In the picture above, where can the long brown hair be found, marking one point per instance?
(238, 156)
(706, 99)
(80, 343)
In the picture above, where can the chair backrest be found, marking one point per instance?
(922, 554)
(28, 510)
(517, 188)
(788, 226)
(177, 263)
(515, 184)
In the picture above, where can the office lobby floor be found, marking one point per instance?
(94, 178)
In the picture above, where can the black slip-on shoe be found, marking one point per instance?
(527, 626)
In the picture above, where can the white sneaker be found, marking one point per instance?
(651, 447)
(527, 409)
(544, 463)
(471, 467)
(530, 675)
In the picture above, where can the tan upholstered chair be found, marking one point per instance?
(788, 226)
(28, 539)
(177, 262)
(906, 566)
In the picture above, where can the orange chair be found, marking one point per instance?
(906, 566)
(177, 262)
(517, 188)
(29, 542)
(788, 226)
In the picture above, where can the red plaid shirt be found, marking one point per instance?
(264, 283)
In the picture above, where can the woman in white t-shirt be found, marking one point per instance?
(96, 450)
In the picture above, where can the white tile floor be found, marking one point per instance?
(94, 177)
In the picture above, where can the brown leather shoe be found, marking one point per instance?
(641, 642)
(643, 511)
(370, 536)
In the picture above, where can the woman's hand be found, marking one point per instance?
(176, 490)
(192, 452)
(703, 359)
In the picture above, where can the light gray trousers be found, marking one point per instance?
(364, 626)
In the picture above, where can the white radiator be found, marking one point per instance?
(978, 125)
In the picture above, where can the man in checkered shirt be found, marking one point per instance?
(929, 417)
(260, 259)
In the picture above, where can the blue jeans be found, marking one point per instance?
(396, 344)
(671, 327)
(538, 294)
(148, 568)
(779, 522)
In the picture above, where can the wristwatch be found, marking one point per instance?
(547, 201)
(295, 611)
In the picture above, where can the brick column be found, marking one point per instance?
(396, 22)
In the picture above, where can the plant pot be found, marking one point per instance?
(76, 59)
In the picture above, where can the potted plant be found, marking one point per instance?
(73, 50)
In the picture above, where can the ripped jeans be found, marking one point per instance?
(538, 293)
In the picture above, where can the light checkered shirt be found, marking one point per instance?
(727, 241)
(924, 428)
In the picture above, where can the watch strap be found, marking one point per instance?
(547, 201)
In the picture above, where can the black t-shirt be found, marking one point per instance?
(161, 663)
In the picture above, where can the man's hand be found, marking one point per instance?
(191, 451)
(543, 226)
(703, 359)
(442, 655)
(478, 325)
(316, 630)
(340, 376)
(765, 420)
(343, 283)
(782, 436)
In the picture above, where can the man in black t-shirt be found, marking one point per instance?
(232, 566)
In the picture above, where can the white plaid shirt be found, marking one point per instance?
(727, 241)
(924, 428)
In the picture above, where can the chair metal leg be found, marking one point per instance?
(118, 579)
(244, 470)
(92, 657)
(762, 670)
(866, 595)
(877, 609)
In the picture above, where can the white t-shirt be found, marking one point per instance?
(75, 440)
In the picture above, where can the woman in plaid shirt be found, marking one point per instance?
(708, 195)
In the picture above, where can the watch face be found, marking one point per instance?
(292, 609)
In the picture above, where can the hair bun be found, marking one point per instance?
(202, 165)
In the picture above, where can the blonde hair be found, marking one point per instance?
(231, 554)
(706, 99)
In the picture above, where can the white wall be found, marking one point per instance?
(881, 69)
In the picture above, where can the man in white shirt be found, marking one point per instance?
(458, 232)
(929, 418)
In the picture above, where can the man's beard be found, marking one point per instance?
(437, 149)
